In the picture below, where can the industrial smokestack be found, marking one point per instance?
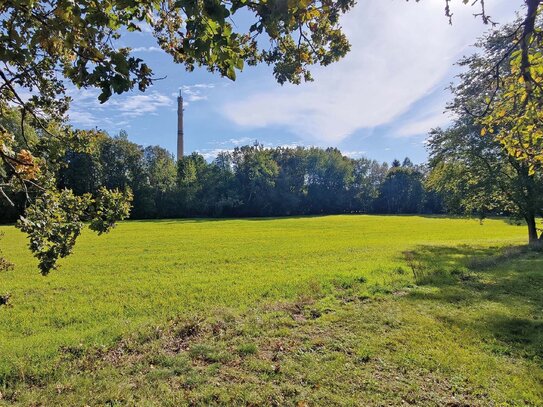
(180, 126)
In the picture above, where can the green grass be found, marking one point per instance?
(295, 311)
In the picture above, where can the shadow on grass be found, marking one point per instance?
(499, 290)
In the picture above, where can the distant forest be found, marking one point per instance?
(248, 181)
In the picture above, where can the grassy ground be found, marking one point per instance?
(308, 311)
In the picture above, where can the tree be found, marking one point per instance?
(475, 175)
(368, 176)
(329, 175)
(251, 181)
(116, 162)
(160, 176)
(407, 163)
(256, 174)
(516, 115)
(82, 171)
(402, 191)
(290, 185)
(222, 196)
(472, 163)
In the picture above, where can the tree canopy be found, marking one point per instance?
(476, 164)
(513, 106)
(248, 181)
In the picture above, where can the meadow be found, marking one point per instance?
(335, 310)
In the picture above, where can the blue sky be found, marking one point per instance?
(379, 102)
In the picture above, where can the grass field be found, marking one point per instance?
(295, 311)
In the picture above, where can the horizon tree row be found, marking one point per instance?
(249, 181)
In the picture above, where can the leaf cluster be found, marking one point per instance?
(55, 219)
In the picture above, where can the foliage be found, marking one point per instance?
(52, 217)
(249, 181)
(402, 190)
(54, 221)
(474, 175)
(502, 90)
(319, 297)
(514, 110)
(473, 164)
(517, 114)
(78, 38)
(255, 174)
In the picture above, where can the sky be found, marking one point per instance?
(379, 102)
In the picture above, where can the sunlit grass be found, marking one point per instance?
(144, 274)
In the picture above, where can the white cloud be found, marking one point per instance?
(241, 141)
(202, 86)
(400, 52)
(147, 49)
(355, 154)
(423, 125)
(212, 153)
(196, 98)
(86, 111)
(83, 118)
(138, 105)
(420, 122)
(83, 94)
(233, 142)
(84, 107)
(194, 93)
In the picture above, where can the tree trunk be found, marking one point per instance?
(533, 238)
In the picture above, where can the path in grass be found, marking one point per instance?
(145, 273)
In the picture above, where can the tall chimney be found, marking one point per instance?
(179, 126)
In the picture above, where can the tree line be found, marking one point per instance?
(248, 181)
